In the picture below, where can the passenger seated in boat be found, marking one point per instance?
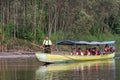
(74, 51)
(90, 50)
(79, 52)
(103, 52)
(93, 51)
(112, 48)
(107, 48)
(96, 51)
(87, 52)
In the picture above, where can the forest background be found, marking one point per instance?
(23, 22)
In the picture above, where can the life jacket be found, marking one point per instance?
(74, 52)
(107, 49)
(85, 53)
(80, 53)
(96, 52)
(47, 42)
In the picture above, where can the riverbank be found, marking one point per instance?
(30, 54)
(17, 54)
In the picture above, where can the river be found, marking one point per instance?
(32, 69)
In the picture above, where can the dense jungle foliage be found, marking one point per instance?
(25, 21)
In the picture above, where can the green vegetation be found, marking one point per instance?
(23, 22)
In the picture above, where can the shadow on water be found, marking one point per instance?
(90, 70)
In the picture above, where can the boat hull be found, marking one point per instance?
(55, 58)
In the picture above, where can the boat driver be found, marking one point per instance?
(47, 43)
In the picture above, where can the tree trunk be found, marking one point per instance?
(3, 19)
(15, 17)
(8, 11)
(34, 23)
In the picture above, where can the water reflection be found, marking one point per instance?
(18, 69)
(31, 69)
(91, 70)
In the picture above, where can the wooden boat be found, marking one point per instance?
(56, 58)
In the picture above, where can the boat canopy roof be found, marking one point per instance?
(71, 42)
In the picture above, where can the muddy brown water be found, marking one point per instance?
(29, 68)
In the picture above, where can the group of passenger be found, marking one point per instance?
(93, 51)
(88, 51)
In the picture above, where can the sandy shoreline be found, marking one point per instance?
(17, 54)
